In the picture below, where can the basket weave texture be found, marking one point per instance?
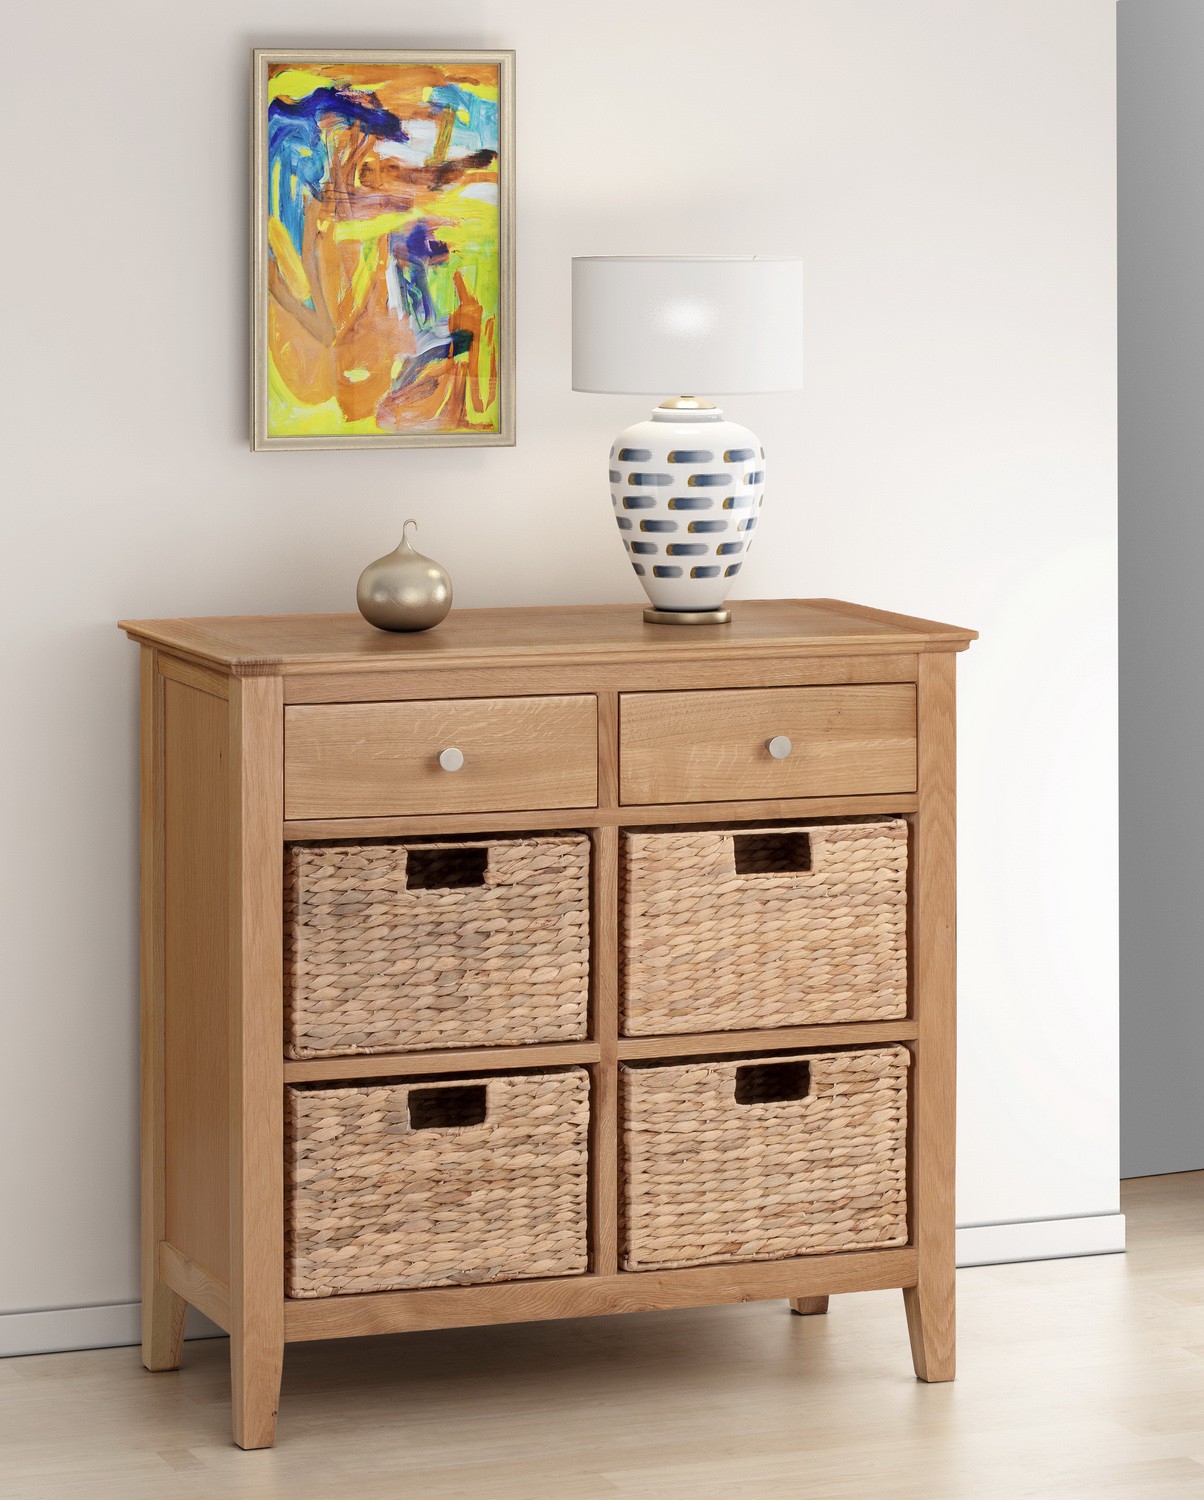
(374, 1204)
(706, 1179)
(372, 965)
(708, 949)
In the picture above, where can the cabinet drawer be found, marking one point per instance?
(713, 746)
(439, 1183)
(803, 1155)
(363, 760)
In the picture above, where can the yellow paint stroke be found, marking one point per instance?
(374, 228)
(355, 376)
(288, 260)
(295, 83)
(361, 277)
(288, 415)
(481, 90)
(442, 144)
(467, 224)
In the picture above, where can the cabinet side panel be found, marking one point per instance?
(196, 976)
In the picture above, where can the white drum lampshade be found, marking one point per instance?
(687, 484)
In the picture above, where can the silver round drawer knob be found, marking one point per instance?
(451, 759)
(779, 747)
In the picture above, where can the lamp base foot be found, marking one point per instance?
(687, 616)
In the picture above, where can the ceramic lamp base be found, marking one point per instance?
(687, 616)
(686, 486)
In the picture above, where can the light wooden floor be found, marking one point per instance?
(1081, 1379)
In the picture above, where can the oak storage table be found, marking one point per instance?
(262, 732)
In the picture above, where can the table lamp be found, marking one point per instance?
(686, 484)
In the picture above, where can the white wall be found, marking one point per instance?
(1161, 64)
(946, 168)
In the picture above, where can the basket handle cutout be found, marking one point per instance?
(448, 1108)
(772, 1082)
(446, 869)
(772, 853)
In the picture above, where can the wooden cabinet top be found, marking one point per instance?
(270, 645)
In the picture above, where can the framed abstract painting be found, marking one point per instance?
(382, 265)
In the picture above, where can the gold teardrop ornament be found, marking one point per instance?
(404, 590)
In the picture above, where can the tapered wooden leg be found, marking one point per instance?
(256, 1058)
(933, 1123)
(930, 1326)
(808, 1307)
(163, 1312)
(255, 1370)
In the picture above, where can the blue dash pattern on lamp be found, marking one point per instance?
(689, 461)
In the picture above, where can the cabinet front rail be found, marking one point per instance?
(587, 1296)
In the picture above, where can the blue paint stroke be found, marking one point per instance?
(448, 348)
(482, 115)
(411, 254)
(295, 142)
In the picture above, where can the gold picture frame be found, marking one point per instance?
(374, 324)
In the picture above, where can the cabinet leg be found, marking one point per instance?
(255, 1392)
(931, 1327)
(163, 1311)
(932, 959)
(256, 790)
(807, 1307)
(163, 1314)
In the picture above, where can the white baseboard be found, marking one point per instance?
(54, 1330)
(1040, 1239)
(111, 1325)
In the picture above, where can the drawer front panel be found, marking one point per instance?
(435, 1183)
(763, 1158)
(731, 929)
(713, 746)
(390, 947)
(363, 760)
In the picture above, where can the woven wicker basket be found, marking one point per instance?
(725, 929)
(763, 1159)
(457, 943)
(435, 1184)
